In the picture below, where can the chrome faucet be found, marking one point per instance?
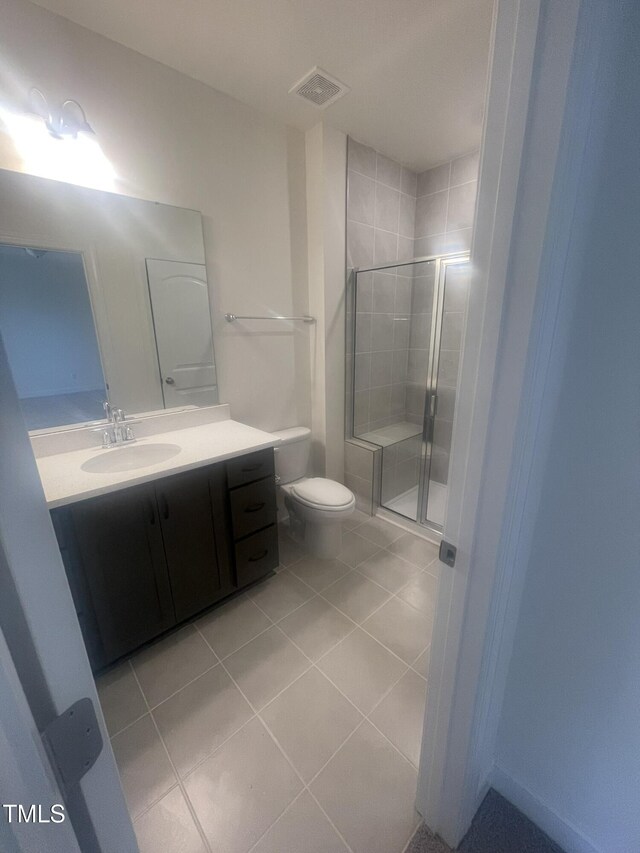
(117, 432)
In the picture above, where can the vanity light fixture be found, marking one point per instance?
(65, 123)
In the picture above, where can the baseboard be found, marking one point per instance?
(557, 828)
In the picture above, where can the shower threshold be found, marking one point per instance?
(406, 504)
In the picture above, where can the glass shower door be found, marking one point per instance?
(407, 322)
(393, 317)
(450, 312)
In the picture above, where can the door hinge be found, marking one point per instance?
(74, 742)
(447, 553)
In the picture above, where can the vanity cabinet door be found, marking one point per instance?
(187, 520)
(120, 544)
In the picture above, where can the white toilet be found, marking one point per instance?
(316, 506)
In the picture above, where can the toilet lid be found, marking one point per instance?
(320, 492)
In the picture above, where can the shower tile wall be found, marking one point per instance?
(446, 197)
(380, 229)
(394, 214)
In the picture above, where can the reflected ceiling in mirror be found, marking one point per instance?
(102, 297)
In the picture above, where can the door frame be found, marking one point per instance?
(443, 262)
(503, 377)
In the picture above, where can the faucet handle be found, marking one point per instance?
(108, 411)
(118, 415)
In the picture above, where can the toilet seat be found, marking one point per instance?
(320, 493)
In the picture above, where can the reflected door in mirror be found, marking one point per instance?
(47, 327)
(181, 318)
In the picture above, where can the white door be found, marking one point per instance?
(43, 654)
(184, 340)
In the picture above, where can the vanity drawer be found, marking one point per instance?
(253, 466)
(257, 555)
(253, 507)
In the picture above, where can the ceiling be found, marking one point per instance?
(416, 68)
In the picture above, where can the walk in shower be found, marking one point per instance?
(407, 327)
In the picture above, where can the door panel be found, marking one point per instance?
(121, 548)
(184, 341)
(186, 516)
(405, 375)
(453, 289)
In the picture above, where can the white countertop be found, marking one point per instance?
(65, 482)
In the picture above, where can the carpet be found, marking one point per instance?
(498, 827)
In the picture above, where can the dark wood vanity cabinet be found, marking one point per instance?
(117, 561)
(196, 548)
(146, 558)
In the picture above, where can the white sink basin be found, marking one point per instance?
(130, 458)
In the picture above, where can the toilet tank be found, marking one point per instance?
(292, 454)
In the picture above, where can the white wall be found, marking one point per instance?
(177, 141)
(568, 750)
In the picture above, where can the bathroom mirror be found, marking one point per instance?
(102, 297)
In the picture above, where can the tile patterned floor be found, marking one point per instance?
(288, 720)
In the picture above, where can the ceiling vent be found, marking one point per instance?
(319, 88)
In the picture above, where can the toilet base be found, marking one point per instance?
(321, 539)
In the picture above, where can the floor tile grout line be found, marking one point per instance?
(280, 816)
(186, 684)
(279, 574)
(183, 790)
(264, 630)
(251, 704)
(314, 665)
(320, 591)
(362, 628)
(355, 626)
(297, 607)
(403, 530)
(246, 643)
(128, 726)
(385, 694)
(344, 613)
(153, 803)
(365, 719)
(362, 720)
(315, 593)
(257, 714)
(382, 698)
(383, 588)
(301, 650)
(285, 756)
(184, 775)
(320, 594)
(305, 786)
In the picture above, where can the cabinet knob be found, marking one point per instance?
(170, 380)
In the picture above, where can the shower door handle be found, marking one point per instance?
(433, 405)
